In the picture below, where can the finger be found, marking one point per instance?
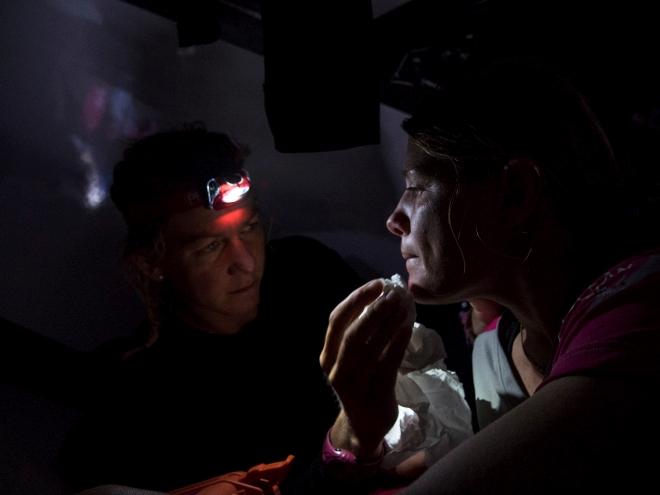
(396, 349)
(342, 316)
(347, 310)
(364, 341)
(384, 353)
(388, 312)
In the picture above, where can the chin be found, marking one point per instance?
(249, 312)
(422, 295)
(425, 295)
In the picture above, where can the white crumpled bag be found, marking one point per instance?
(434, 416)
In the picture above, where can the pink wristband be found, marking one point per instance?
(331, 454)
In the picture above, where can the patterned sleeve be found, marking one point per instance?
(613, 329)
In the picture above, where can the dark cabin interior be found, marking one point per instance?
(317, 91)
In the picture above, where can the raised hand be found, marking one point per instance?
(361, 356)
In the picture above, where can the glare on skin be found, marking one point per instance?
(214, 261)
(435, 225)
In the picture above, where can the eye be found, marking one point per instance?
(212, 246)
(414, 189)
(251, 227)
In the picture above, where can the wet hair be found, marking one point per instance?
(150, 169)
(484, 117)
(157, 165)
(477, 121)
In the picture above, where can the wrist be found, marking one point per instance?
(342, 436)
(360, 453)
(346, 464)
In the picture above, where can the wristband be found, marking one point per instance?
(331, 454)
(334, 455)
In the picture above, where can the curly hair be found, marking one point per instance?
(150, 169)
(482, 118)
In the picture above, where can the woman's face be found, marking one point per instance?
(435, 220)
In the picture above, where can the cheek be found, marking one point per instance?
(430, 231)
(192, 282)
(258, 251)
(209, 281)
(259, 248)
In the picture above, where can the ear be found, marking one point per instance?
(510, 209)
(150, 270)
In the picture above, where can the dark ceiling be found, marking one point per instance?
(585, 36)
(204, 21)
(332, 50)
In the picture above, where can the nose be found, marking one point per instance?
(241, 257)
(398, 222)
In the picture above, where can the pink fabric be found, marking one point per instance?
(492, 325)
(613, 329)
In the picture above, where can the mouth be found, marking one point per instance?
(407, 256)
(412, 265)
(244, 289)
(412, 262)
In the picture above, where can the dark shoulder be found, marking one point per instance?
(299, 245)
(121, 348)
(635, 277)
(308, 268)
(308, 256)
(129, 359)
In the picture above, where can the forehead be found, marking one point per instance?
(203, 222)
(414, 156)
(419, 163)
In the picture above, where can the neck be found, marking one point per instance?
(530, 373)
(212, 322)
(544, 288)
(537, 352)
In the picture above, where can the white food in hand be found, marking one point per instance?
(389, 284)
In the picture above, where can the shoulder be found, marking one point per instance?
(299, 245)
(634, 282)
(613, 329)
(632, 274)
(306, 258)
(304, 273)
(122, 348)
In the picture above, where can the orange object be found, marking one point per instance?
(262, 479)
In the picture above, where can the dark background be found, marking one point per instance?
(316, 89)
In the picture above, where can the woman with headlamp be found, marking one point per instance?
(224, 374)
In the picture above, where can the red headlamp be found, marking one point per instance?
(223, 191)
(217, 193)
